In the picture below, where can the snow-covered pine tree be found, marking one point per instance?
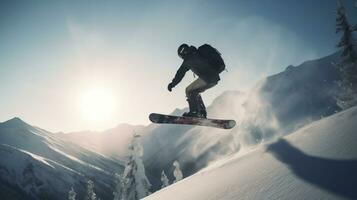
(164, 180)
(118, 187)
(348, 64)
(135, 184)
(90, 191)
(128, 178)
(72, 194)
(177, 171)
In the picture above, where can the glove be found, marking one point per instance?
(170, 86)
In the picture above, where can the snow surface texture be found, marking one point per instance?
(319, 161)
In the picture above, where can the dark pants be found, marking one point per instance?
(193, 94)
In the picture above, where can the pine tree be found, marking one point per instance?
(72, 194)
(135, 184)
(348, 64)
(177, 172)
(348, 54)
(90, 191)
(164, 180)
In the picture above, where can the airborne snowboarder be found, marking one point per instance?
(205, 62)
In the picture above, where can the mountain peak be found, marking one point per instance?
(15, 122)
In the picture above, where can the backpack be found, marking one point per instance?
(213, 56)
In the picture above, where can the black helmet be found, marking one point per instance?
(183, 50)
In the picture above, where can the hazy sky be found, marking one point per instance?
(53, 53)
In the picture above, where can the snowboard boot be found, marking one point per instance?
(193, 106)
(201, 107)
(192, 114)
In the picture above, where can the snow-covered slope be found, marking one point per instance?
(297, 96)
(41, 165)
(318, 161)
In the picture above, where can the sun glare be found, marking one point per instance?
(98, 104)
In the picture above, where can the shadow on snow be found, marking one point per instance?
(336, 176)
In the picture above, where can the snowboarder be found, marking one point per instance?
(205, 62)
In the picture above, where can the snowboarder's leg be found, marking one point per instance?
(193, 106)
(197, 107)
(201, 106)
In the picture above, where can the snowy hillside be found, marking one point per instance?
(41, 165)
(299, 95)
(319, 161)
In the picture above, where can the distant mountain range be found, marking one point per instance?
(111, 143)
(38, 163)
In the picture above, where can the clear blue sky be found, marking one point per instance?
(52, 52)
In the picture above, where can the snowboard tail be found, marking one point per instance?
(171, 119)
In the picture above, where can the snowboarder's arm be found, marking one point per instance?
(180, 74)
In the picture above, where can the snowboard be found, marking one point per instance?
(171, 119)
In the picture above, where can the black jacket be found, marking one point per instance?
(199, 66)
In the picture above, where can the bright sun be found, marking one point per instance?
(98, 104)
